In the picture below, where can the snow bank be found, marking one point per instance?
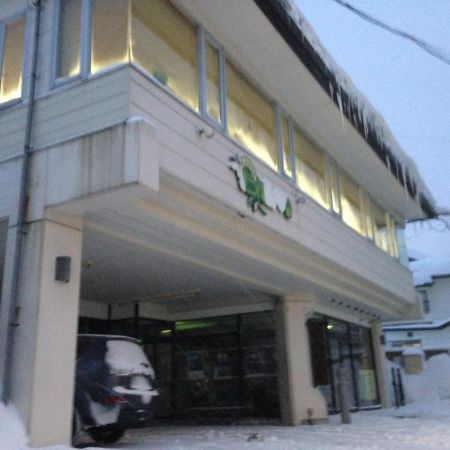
(12, 432)
(432, 384)
(367, 113)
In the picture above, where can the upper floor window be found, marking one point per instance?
(310, 169)
(425, 301)
(164, 43)
(12, 41)
(68, 58)
(251, 117)
(351, 204)
(109, 33)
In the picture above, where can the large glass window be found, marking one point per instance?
(251, 117)
(380, 223)
(12, 61)
(310, 169)
(164, 43)
(68, 60)
(334, 184)
(393, 243)
(109, 40)
(351, 204)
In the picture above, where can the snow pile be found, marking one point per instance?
(424, 269)
(368, 115)
(12, 432)
(433, 384)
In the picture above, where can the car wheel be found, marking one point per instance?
(107, 436)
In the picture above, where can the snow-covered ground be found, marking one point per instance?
(423, 424)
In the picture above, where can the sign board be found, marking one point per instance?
(261, 194)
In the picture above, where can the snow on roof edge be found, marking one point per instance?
(369, 115)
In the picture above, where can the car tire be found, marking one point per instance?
(107, 436)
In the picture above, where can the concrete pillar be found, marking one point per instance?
(8, 264)
(43, 364)
(300, 401)
(380, 363)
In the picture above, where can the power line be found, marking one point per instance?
(419, 42)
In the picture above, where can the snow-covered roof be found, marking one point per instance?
(358, 109)
(416, 325)
(424, 270)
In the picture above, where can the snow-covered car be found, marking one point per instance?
(114, 387)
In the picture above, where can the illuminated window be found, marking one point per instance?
(393, 243)
(334, 184)
(164, 43)
(109, 34)
(367, 216)
(351, 204)
(68, 60)
(380, 223)
(286, 147)
(251, 117)
(310, 169)
(12, 61)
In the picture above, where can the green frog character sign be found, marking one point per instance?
(261, 194)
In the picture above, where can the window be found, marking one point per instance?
(425, 301)
(11, 60)
(251, 117)
(367, 216)
(334, 184)
(213, 84)
(351, 204)
(68, 59)
(380, 225)
(393, 244)
(164, 43)
(310, 169)
(109, 33)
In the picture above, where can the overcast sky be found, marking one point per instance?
(409, 87)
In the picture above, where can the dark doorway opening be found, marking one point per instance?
(215, 367)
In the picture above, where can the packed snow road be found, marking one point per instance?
(422, 425)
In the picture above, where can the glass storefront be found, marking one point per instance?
(222, 366)
(340, 345)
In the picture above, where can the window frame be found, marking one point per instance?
(84, 36)
(26, 48)
(204, 38)
(280, 114)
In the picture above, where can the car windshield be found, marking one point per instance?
(126, 357)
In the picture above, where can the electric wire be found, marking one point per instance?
(419, 42)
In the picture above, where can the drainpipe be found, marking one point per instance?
(13, 312)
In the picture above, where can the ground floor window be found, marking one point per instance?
(222, 366)
(340, 345)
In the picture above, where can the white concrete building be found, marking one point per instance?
(432, 333)
(219, 189)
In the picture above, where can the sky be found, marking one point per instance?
(409, 87)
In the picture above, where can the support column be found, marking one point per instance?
(300, 401)
(8, 273)
(380, 363)
(43, 363)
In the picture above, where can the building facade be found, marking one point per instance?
(194, 174)
(431, 334)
